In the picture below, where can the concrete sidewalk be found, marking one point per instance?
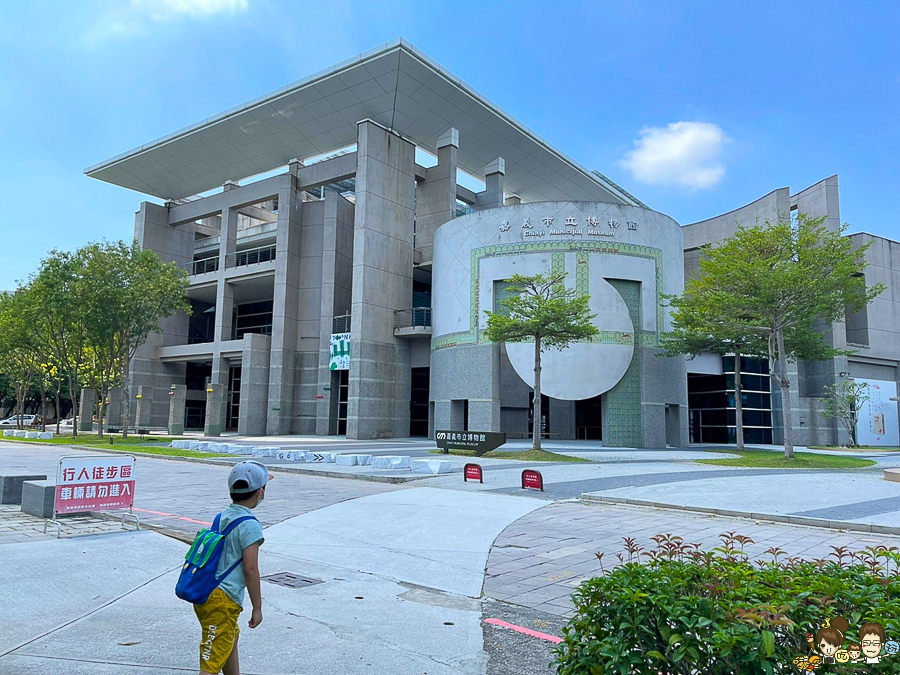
(402, 574)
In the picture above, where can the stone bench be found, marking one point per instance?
(37, 497)
(391, 462)
(432, 466)
(11, 487)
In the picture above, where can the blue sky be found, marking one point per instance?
(695, 108)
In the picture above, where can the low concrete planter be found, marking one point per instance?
(432, 466)
(391, 462)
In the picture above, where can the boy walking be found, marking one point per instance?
(218, 616)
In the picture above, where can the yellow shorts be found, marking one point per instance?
(218, 618)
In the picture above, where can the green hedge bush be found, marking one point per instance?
(683, 610)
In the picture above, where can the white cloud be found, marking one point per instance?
(683, 153)
(133, 18)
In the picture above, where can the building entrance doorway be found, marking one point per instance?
(418, 402)
(589, 419)
(233, 408)
(545, 415)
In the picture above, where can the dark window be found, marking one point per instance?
(252, 317)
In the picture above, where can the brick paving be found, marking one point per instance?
(17, 527)
(538, 560)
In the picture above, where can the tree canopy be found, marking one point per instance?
(541, 309)
(769, 290)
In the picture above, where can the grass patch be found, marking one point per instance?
(770, 459)
(144, 445)
(523, 456)
(859, 448)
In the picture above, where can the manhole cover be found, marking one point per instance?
(291, 580)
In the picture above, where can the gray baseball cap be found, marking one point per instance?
(255, 473)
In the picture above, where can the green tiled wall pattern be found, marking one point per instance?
(623, 402)
(582, 249)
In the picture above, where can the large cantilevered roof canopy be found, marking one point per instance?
(395, 85)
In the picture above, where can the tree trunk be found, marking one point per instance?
(58, 413)
(785, 385)
(43, 406)
(536, 425)
(101, 409)
(72, 395)
(126, 413)
(738, 403)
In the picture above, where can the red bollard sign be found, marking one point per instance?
(473, 472)
(532, 480)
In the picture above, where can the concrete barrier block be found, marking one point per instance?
(182, 445)
(391, 462)
(346, 460)
(33, 434)
(432, 466)
(11, 487)
(37, 497)
(45, 435)
(9, 433)
(363, 460)
(194, 445)
(20, 433)
(320, 457)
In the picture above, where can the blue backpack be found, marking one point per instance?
(198, 575)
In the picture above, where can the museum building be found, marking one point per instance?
(344, 236)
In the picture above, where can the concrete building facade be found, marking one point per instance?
(343, 291)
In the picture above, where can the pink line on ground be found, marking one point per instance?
(172, 515)
(526, 631)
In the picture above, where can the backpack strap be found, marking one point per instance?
(215, 523)
(234, 523)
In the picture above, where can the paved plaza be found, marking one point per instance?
(420, 577)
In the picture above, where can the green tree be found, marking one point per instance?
(844, 400)
(784, 280)
(541, 309)
(58, 295)
(18, 339)
(129, 290)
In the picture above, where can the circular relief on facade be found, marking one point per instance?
(585, 369)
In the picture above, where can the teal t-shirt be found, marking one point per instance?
(247, 533)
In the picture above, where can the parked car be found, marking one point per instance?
(27, 420)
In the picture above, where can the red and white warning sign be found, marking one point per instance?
(94, 483)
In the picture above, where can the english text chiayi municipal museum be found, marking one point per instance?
(345, 234)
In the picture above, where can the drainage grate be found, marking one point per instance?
(291, 580)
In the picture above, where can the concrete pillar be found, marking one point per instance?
(215, 410)
(115, 407)
(143, 409)
(177, 397)
(254, 385)
(337, 288)
(172, 244)
(562, 418)
(382, 283)
(436, 195)
(86, 409)
(285, 315)
(492, 197)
